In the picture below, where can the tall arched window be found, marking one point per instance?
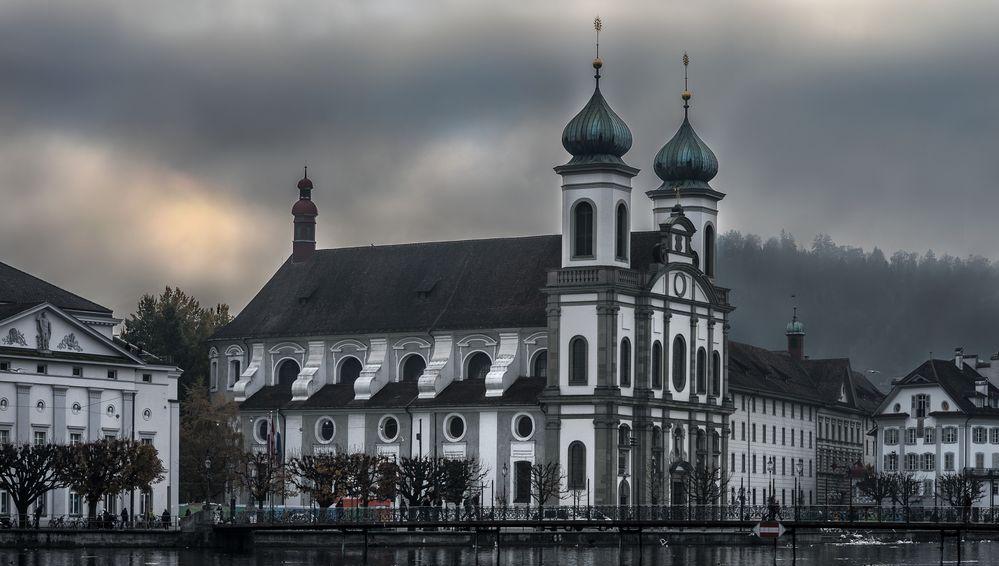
(413, 368)
(287, 373)
(582, 225)
(716, 374)
(541, 364)
(577, 466)
(350, 370)
(577, 361)
(709, 250)
(478, 366)
(625, 366)
(702, 371)
(621, 232)
(657, 365)
(679, 363)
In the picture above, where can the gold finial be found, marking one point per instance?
(597, 61)
(685, 95)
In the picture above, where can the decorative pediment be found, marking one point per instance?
(48, 329)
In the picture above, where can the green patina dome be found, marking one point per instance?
(596, 134)
(795, 327)
(685, 161)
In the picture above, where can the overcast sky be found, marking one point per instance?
(145, 144)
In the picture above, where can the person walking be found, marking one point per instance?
(124, 517)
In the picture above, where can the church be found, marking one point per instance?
(599, 348)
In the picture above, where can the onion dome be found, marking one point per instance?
(304, 207)
(686, 161)
(795, 326)
(305, 183)
(596, 134)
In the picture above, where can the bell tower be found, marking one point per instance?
(303, 243)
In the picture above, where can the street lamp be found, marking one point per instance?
(208, 480)
(506, 470)
(772, 504)
(799, 468)
(742, 500)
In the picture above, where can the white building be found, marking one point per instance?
(943, 418)
(65, 379)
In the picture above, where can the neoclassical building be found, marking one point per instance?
(65, 379)
(599, 348)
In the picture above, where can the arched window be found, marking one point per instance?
(287, 374)
(582, 224)
(625, 366)
(621, 232)
(541, 364)
(679, 363)
(716, 374)
(709, 250)
(577, 466)
(702, 370)
(350, 370)
(577, 361)
(657, 365)
(413, 368)
(478, 366)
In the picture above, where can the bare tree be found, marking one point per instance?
(705, 485)
(960, 491)
(323, 476)
(459, 478)
(904, 487)
(418, 478)
(370, 477)
(28, 471)
(262, 475)
(548, 482)
(110, 466)
(876, 485)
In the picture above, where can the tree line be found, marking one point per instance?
(958, 490)
(93, 470)
(886, 313)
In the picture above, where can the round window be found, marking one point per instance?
(40, 405)
(147, 414)
(110, 410)
(898, 408)
(454, 427)
(389, 428)
(325, 430)
(77, 408)
(3, 404)
(945, 406)
(261, 431)
(523, 427)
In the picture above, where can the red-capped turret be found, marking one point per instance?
(305, 212)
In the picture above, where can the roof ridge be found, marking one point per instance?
(41, 281)
(439, 242)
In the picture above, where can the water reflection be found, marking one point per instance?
(891, 554)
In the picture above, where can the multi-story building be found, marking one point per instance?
(943, 418)
(799, 423)
(599, 348)
(64, 378)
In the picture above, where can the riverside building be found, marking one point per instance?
(65, 379)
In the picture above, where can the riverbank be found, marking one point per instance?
(209, 538)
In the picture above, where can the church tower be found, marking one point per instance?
(305, 212)
(596, 184)
(795, 332)
(686, 165)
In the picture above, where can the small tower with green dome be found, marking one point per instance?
(795, 332)
(596, 184)
(686, 165)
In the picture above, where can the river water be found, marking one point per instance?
(861, 552)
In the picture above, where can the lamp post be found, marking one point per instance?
(772, 504)
(799, 468)
(208, 480)
(506, 470)
(742, 500)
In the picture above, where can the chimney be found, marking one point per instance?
(959, 357)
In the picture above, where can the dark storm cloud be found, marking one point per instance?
(443, 121)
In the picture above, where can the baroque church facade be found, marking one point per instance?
(599, 348)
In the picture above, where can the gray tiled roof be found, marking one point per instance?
(21, 288)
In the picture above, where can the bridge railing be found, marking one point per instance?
(408, 516)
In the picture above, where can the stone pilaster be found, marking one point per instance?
(94, 414)
(23, 408)
(59, 415)
(554, 313)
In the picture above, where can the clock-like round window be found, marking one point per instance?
(4, 403)
(325, 430)
(40, 406)
(454, 427)
(388, 428)
(110, 410)
(523, 426)
(147, 414)
(77, 408)
(679, 285)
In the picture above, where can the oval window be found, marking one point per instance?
(147, 414)
(77, 408)
(455, 427)
(325, 430)
(389, 429)
(3, 404)
(40, 405)
(523, 427)
(109, 411)
(945, 406)
(262, 430)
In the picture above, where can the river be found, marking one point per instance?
(860, 552)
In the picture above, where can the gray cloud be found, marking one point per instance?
(874, 124)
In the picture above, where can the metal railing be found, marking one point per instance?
(410, 516)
